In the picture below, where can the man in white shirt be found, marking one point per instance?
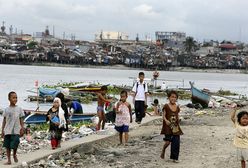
(140, 90)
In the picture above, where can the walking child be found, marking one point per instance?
(101, 100)
(12, 127)
(241, 136)
(55, 116)
(140, 92)
(171, 128)
(123, 117)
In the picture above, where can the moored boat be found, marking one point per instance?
(199, 96)
(44, 92)
(39, 117)
(88, 88)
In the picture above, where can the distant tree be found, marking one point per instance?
(226, 42)
(206, 44)
(190, 44)
(32, 44)
(77, 42)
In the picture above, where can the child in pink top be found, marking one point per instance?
(123, 116)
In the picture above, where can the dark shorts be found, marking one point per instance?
(168, 138)
(11, 141)
(123, 128)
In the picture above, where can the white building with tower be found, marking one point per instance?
(111, 35)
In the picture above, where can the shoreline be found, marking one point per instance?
(123, 67)
(213, 70)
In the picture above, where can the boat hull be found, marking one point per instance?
(85, 89)
(199, 97)
(39, 118)
(90, 88)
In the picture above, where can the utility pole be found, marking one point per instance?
(53, 31)
(10, 30)
(63, 35)
(3, 28)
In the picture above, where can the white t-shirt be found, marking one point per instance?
(13, 115)
(140, 90)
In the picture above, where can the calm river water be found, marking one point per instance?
(20, 78)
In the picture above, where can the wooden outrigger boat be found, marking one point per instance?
(199, 96)
(85, 89)
(39, 117)
(89, 88)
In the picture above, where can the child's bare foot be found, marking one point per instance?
(15, 158)
(7, 163)
(162, 156)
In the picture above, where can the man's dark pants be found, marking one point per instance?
(139, 110)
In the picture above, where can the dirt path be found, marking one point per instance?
(206, 143)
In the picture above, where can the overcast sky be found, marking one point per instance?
(209, 19)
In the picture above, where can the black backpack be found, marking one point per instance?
(137, 85)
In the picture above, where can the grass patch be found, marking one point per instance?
(39, 127)
(81, 123)
(226, 93)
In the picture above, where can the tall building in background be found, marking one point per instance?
(170, 39)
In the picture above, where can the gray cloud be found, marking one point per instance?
(208, 19)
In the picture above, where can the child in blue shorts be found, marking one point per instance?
(123, 117)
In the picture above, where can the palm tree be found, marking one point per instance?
(190, 44)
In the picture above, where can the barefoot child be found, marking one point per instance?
(101, 100)
(241, 138)
(171, 128)
(123, 117)
(12, 127)
(55, 116)
(156, 107)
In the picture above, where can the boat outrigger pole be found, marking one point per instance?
(37, 94)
